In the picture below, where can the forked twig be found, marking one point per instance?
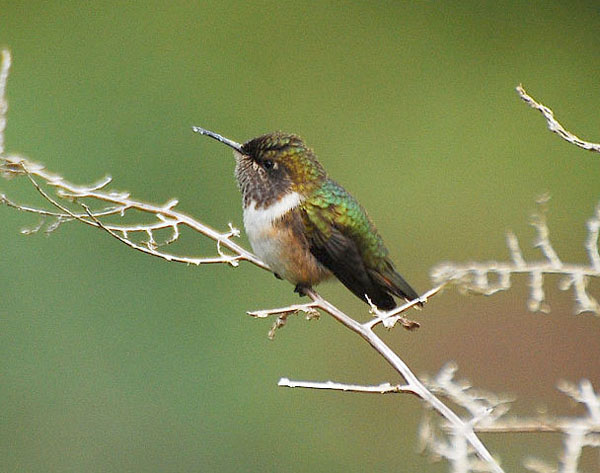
(120, 203)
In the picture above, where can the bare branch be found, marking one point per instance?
(282, 313)
(390, 321)
(5, 62)
(446, 440)
(309, 308)
(538, 221)
(579, 432)
(390, 318)
(384, 388)
(591, 244)
(553, 124)
(489, 277)
(488, 414)
(515, 250)
(413, 384)
(119, 204)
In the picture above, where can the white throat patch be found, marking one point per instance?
(258, 220)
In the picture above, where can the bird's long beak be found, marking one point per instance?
(232, 144)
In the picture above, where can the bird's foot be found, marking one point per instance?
(301, 289)
(277, 276)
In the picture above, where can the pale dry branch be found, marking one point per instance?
(387, 318)
(483, 407)
(444, 440)
(282, 313)
(489, 277)
(591, 244)
(578, 432)
(413, 384)
(5, 61)
(384, 388)
(539, 466)
(117, 204)
(479, 459)
(553, 125)
(310, 309)
(489, 415)
(389, 321)
(390, 318)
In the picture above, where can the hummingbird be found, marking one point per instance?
(306, 226)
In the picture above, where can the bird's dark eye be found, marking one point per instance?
(268, 164)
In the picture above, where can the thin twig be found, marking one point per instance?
(4, 69)
(384, 388)
(308, 308)
(122, 203)
(553, 125)
(390, 318)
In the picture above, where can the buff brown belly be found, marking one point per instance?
(283, 246)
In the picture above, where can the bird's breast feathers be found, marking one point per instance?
(276, 238)
(259, 220)
(265, 232)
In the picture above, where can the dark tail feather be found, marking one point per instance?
(395, 284)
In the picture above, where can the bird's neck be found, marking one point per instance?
(260, 215)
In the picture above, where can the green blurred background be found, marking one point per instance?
(117, 362)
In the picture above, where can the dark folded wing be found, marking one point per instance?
(343, 238)
(339, 253)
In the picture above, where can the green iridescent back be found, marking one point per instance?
(331, 204)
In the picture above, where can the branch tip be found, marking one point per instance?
(553, 125)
